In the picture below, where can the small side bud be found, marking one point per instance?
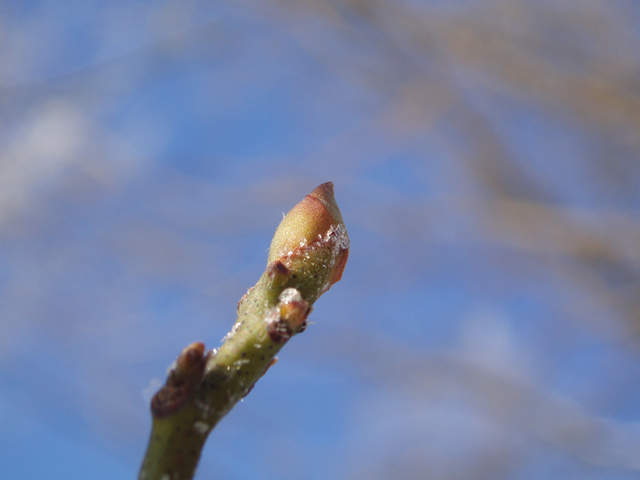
(189, 362)
(184, 376)
(278, 273)
(294, 309)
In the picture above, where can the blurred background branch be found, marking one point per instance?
(488, 154)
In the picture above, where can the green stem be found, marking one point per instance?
(202, 388)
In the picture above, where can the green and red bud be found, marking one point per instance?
(312, 243)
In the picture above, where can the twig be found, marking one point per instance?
(308, 254)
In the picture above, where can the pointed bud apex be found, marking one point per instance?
(324, 193)
(312, 243)
(306, 222)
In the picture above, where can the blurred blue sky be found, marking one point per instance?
(486, 158)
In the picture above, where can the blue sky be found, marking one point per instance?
(485, 160)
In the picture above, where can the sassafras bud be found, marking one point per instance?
(312, 242)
